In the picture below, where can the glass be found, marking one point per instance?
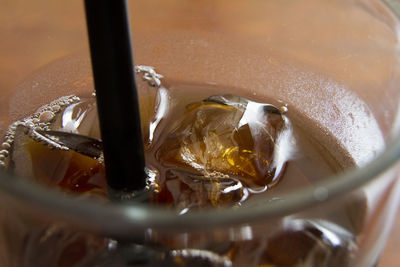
(336, 62)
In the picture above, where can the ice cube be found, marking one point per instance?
(188, 191)
(300, 243)
(61, 245)
(244, 140)
(46, 158)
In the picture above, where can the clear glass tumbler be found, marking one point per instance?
(334, 65)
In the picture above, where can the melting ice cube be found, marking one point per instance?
(230, 135)
(63, 160)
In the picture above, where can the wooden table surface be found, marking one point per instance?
(26, 33)
(390, 256)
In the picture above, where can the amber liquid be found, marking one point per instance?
(234, 172)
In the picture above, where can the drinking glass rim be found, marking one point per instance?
(121, 219)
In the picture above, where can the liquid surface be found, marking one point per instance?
(201, 152)
(222, 143)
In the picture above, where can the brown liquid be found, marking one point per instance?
(233, 170)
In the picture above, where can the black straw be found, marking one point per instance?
(116, 93)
